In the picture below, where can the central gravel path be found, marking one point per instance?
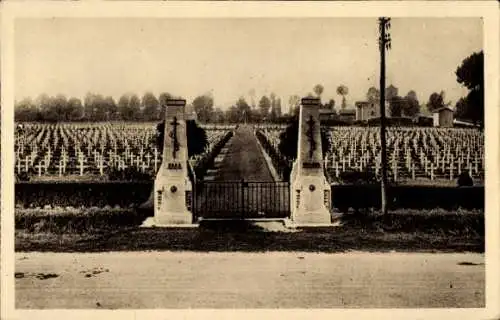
(244, 159)
(258, 197)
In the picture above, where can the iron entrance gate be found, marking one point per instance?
(241, 200)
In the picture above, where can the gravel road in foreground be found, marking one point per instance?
(248, 280)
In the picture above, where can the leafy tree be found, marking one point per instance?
(59, 104)
(390, 92)
(373, 95)
(244, 111)
(25, 103)
(150, 106)
(88, 106)
(162, 100)
(26, 110)
(129, 107)
(123, 107)
(272, 97)
(75, 109)
(217, 116)
(318, 90)
(52, 109)
(232, 115)
(135, 107)
(411, 107)
(436, 101)
(196, 137)
(396, 106)
(471, 75)
(412, 95)
(203, 106)
(47, 108)
(94, 107)
(264, 106)
(293, 104)
(100, 108)
(475, 106)
(461, 108)
(42, 101)
(330, 105)
(290, 137)
(274, 101)
(273, 115)
(110, 109)
(342, 90)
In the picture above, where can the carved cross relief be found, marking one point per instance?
(310, 136)
(173, 136)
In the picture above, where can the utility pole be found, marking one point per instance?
(384, 44)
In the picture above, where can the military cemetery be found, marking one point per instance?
(287, 172)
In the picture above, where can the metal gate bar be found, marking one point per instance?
(241, 199)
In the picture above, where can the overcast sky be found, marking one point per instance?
(229, 57)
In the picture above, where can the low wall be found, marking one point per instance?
(408, 197)
(132, 194)
(91, 194)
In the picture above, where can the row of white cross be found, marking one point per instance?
(149, 161)
(144, 161)
(350, 156)
(213, 136)
(430, 168)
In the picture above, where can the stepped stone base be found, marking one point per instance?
(312, 218)
(293, 224)
(150, 222)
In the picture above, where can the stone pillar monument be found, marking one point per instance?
(310, 191)
(172, 187)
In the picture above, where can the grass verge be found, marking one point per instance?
(96, 230)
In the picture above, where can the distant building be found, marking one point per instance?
(390, 92)
(190, 113)
(443, 117)
(424, 120)
(363, 110)
(326, 114)
(367, 110)
(347, 115)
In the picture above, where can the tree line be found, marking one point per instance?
(268, 108)
(94, 107)
(131, 107)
